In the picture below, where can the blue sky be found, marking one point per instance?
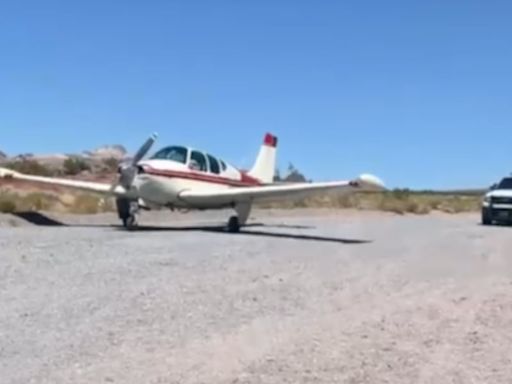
(417, 92)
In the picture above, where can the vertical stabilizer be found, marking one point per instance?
(265, 166)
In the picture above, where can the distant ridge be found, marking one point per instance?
(108, 151)
(469, 192)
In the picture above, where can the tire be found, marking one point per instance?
(233, 225)
(486, 217)
(130, 223)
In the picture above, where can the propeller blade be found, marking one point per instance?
(144, 149)
(128, 170)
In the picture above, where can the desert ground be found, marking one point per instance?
(303, 296)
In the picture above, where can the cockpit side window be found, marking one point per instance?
(198, 161)
(223, 165)
(214, 164)
(178, 154)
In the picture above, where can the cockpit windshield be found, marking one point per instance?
(178, 154)
(505, 183)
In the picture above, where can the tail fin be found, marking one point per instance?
(265, 166)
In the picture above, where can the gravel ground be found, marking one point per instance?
(306, 298)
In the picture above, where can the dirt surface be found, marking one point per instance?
(308, 297)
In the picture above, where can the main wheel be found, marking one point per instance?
(130, 222)
(486, 217)
(233, 224)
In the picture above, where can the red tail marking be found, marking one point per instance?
(270, 140)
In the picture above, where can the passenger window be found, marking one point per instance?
(214, 164)
(198, 161)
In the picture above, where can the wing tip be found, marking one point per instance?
(371, 181)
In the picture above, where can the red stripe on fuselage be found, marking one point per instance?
(249, 179)
(246, 181)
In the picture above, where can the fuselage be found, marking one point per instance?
(161, 178)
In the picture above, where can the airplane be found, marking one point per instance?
(185, 178)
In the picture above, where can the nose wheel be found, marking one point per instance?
(128, 212)
(130, 222)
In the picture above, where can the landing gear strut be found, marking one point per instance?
(237, 221)
(127, 211)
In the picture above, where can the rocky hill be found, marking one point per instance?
(91, 163)
(107, 151)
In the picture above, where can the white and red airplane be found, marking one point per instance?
(180, 177)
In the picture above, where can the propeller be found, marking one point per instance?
(128, 168)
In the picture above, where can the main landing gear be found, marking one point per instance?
(237, 221)
(233, 224)
(128, 211)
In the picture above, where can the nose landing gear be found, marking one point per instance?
(127, 211)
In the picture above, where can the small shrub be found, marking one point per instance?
(111, 164)
(74, 166)
(37, 201)
(346, 200)
(400, 194)
(7, 206)
(30, 167)
(388, 204)
(85, 204)
(458, 204)
(434, 203)
(417, 207)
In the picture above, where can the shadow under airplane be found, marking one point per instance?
(40, 219)
(37, 218)
(243, 232)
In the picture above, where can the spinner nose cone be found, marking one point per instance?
(371, 181)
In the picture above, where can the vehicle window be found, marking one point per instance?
(505, 183)
(214, 164)
(223, 165)
(178, 154)
(198, 161)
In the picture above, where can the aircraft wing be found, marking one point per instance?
(88, 186)
(276, 192)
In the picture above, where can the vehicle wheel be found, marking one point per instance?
(233, 224)
(486, 217)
